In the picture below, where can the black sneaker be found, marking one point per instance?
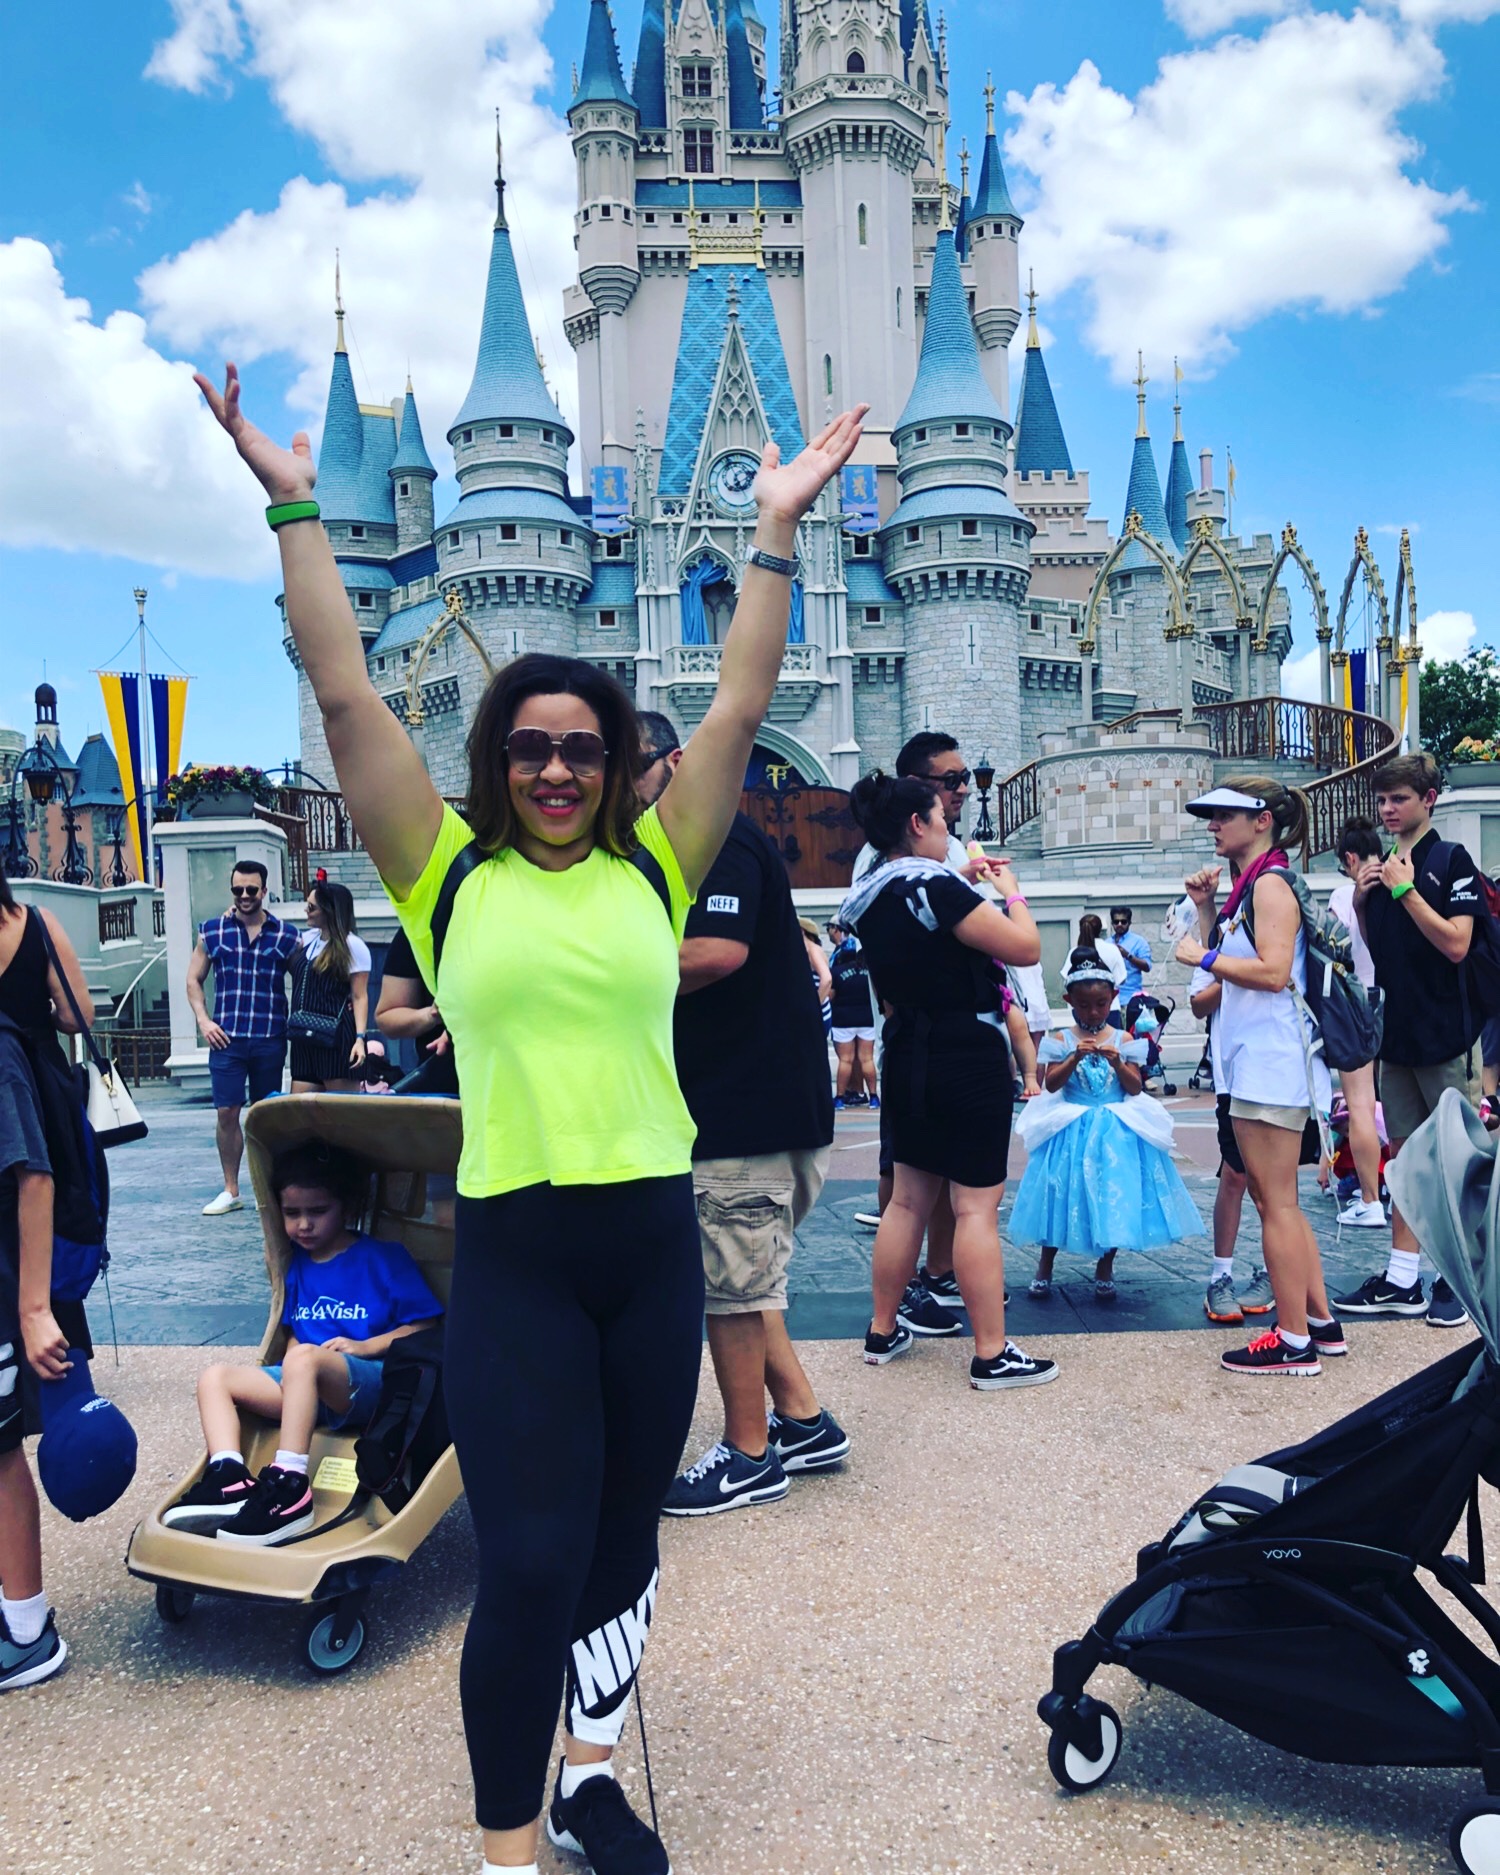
(942, 1289)
(1269, 1354)
(725, 1478)
(1445, 1310)
(1010, 1368)
(24, 1665)
(816, 1445)
(217, 1495)
(882, 1348)
(923, 1314)
(1328, 1338)
(1378, 1295)
(280, 1506)
(598, 1822)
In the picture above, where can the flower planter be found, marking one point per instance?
(239, 805)
(1473, 775)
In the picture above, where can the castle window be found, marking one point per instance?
(1122, 580)
(678, 219)
(548, 437)
(365, 599)
(608, 619)
(969, 529)
(855, 62)
(922, 82)
(697, 81)
(506, 432)
(614, 550)
(913, 536)
(733, 220)
(453, 540)
(1072, 627)
(507, 530)
(564, 538)
(787, 220)
(960, 429)
(356, 533)
(827, 375)
(605, 211)
(466, 436)
(861, 547)
(698, 152)
(873, 615)
(650, 220)
(380, 664)
(919, 436)
(1036, 621)
(406, 657)
(864, 226)
(403, 488)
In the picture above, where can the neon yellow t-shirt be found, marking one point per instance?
(558, 989)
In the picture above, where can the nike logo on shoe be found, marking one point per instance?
(738, 1484)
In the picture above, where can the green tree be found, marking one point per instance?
(1460, 699)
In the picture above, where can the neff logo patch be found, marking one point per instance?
(721, 901)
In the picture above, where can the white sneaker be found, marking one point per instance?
(226, 1201)
(1368, 1216)
(867, 1220)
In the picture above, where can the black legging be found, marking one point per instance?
(574, 1340)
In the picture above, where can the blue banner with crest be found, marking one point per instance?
(861, 498)
(611, 497)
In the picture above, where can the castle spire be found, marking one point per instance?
(1179, 473)
(745, 112)
(1033, 337)
(651, 65)
(950, 380)
(601, 79)
(500, 221)
(1041, 447)
(1141, 381)
(989, 104)
(992, 197)
(338, 306)
(1143, 496)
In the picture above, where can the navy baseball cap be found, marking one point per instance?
(86, 1457)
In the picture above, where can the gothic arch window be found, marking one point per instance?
(864, 226)
(855, 62)
(922, 82)
(827, 375)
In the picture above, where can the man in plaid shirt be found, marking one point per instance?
(249, 951)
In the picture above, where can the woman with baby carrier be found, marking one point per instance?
(1274, 1080)
(548, 927)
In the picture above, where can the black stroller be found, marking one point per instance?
(1309, 1558)
(1163, 1008)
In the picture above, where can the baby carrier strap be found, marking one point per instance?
(408, 1430)
(647, 864)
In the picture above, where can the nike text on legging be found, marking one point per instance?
(574, 1336)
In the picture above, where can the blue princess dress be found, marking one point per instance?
(1099, 1173)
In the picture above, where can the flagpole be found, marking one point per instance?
(146, 808)
(1229, 492)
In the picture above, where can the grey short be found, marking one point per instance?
(1410, 1093)
(748, 1212)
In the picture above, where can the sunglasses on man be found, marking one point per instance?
(244, 891)
(952, 779)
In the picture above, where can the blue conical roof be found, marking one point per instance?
(911, 12)
(745, 111)
(1179, 486)
(1143, 497)
(651, 66)
(411, 451)
(508, 381)
(992, 197)
(961, 228)
(1040, 443)
(950, 381)
(601, 77)
(353, 484)
(98, 783)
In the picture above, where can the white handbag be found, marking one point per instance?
(111, 1110)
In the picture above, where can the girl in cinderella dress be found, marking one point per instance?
(1099, 1174)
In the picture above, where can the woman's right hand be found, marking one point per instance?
(285, 474)
(1203, 887)
(1003, 879)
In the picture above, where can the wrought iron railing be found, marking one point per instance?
(1016, 801)
(116, 920)
(316, 821)
(158, 917)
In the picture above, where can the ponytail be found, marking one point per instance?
(1291, 818)
(883, 804)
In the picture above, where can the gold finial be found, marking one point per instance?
(408, 381)
(1141, 381)
(338, 305)
(963, 163)
(1177, 435)
(1033, 337)
(500, 221)
(989, 104)
(541, 362)
(1289, 536)
(1361, 541)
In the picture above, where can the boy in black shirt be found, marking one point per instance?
(1416, 910)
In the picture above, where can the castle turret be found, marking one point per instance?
(412, 475)
(992, 233)
(1143, 495)
(650, 91)
(1137, 665)
(1179, 475)
(957, 547)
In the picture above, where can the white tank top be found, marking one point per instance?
(1261, 1036)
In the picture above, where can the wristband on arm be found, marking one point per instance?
(280, 513)
(1400, 891)
(1209, 959)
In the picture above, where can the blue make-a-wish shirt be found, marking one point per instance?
(366, 1290)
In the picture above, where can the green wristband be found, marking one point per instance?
(279, 515)
(1405, 886)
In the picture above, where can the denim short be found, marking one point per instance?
(258, 1061)
(364, 1390)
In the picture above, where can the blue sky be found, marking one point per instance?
(1299, 200)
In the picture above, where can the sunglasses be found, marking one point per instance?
(650, 757)
(244, 891)
(952, 780)
(529, 750)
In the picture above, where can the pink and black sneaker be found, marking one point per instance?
(220, 1493)
(1269, 1354)
(280, 1506)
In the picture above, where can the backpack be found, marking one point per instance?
(408, 1432)
(1349, 1019)
(1479, 973)
(80, 1182)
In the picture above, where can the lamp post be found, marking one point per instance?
(984, 778)
(46, 777)
(17, 861)
(117, 872)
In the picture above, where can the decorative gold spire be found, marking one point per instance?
(338, 305)
(500, 221)
(963, 163)
(1033, 337)
(1177, 435)
(989, 104)
(1141, 381)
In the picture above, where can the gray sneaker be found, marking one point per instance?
(1221, 1304)
(1257, 1298)
(24, 1663)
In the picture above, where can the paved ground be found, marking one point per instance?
(182, 1279)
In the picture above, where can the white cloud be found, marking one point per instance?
(107, 444)
(207, 32)
(1203, 18)
(1445, 636)
(137, 198)
(1252, 176)
(1302, 677)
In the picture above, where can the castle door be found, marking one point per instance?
(811, 827)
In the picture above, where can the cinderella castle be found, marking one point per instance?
(747, 267)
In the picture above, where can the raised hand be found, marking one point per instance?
(285, 474)
(785, 492)
(1203, 887)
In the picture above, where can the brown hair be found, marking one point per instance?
(882, 804)
(539, 674)
(336, 902)
(1417, 771)
(1090, 930)
(1288, 807)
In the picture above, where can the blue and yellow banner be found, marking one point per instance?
(861, 499)
(168, 709)
(611, 499)
(122, 709)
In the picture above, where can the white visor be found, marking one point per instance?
(1208, 804)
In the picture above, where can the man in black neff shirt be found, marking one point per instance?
(1416, 909)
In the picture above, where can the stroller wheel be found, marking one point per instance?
(173, 1604)
(326, 1652)
(1071, 1764)
(1169, 1087)
(1475, 1837)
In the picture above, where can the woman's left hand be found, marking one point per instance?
(785, 492)
(357, 1052)
(1190, 952)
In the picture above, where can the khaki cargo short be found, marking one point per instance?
(748, 1210)
(1409, 1095)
